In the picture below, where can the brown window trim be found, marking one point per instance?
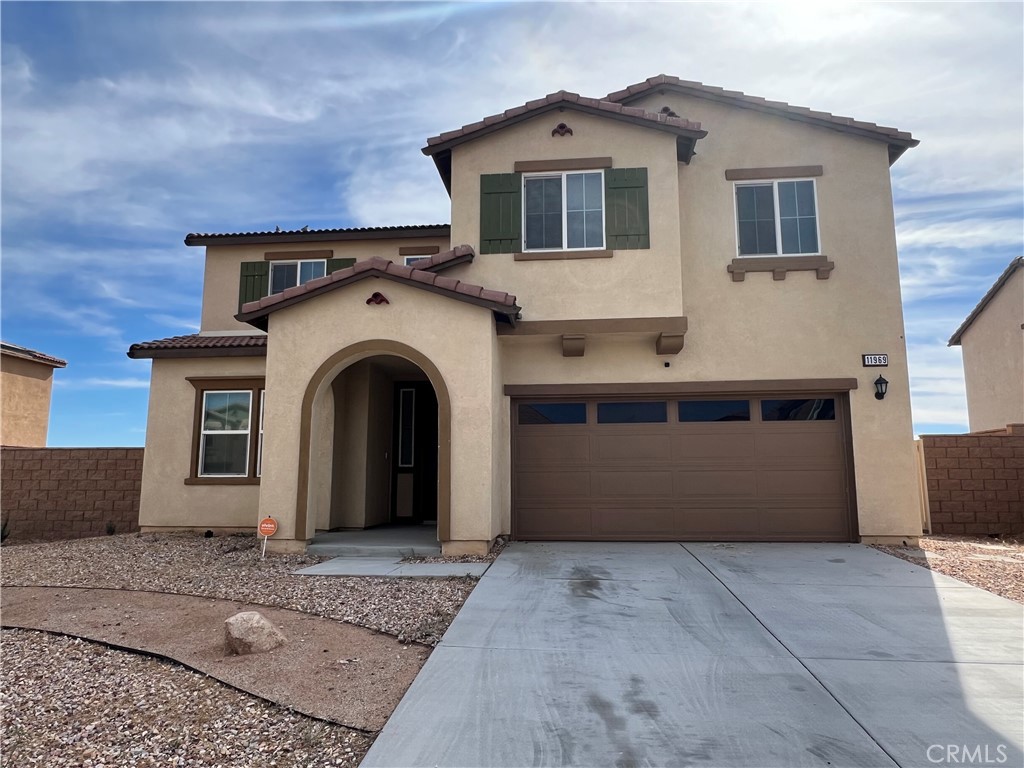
(418, 250)
(222, 481)
(298, 255)
(562, 255)
(785, 172)
(779, 266)
(564, 164)
(254, 384)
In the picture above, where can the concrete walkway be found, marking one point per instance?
(392, 567)
(758, 655)
(385, 541)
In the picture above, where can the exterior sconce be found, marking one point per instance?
(881, 387)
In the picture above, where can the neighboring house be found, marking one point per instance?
(992, 340)
(26, 379)
(645, 322)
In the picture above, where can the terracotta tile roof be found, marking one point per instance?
(30, 354)
(460, 254)
(318, 235)
(197, 345)
(558, 100)
(898, 140)
(501, 303)
(1014, 265)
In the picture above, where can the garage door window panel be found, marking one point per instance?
(632, 413)
(822, 409)
(552, 413)
(713, 410)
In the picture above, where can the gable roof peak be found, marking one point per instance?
(686, 131)
(1014, 265)
(898, 141)
(502, 304)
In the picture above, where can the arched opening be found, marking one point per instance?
(375, 443)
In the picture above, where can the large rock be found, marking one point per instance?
(250, 632)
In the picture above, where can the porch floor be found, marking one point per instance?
(386, 541)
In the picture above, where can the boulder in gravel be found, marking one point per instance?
(250, 632)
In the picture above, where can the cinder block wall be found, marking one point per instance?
(69, 493)
(975, 483)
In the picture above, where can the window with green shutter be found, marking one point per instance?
(501, 213)
(254, 282)
(564, 210)
(627, 218)
(262, 278)
(333, 265)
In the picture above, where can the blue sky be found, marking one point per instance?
(127, 125)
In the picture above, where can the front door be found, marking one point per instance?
(414, 475)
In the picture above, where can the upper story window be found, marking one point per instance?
(777, 218)
(563, 211)
(288, 274)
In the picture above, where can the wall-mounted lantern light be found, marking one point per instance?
(881, 387)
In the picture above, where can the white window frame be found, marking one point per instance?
(778, 216)
(298, 271)
(203, 432)
(565, 218)
(412, 427)
(259, 444)
(410, 260)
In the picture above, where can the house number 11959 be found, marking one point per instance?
(875, 361)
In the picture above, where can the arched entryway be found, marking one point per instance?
(375, 443)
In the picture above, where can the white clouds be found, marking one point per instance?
(970, 234)
(180, 324)
(113, 383)
(227, 117)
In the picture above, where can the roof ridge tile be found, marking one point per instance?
(652, 83)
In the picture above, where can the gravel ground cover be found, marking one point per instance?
(60, 708)
(996, 565)
(230, 568)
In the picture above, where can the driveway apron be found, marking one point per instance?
(760, 655)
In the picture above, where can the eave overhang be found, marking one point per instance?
(502, 304)
(440, 147)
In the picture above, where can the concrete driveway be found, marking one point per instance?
(760, 655)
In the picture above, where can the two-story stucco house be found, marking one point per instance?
(645, 321)
(26, 382)
(992, 340)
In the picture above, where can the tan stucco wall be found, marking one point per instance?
(456, 337)
(798, 328)
(993, 349)
(166, 500)
(220, 280)
(348, 477)
(631, 282)
(761, 328)
(25, 388)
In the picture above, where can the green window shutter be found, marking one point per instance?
(254, 282)
(501, 213)
(333, 265)
(627, 218)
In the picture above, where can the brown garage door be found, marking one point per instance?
(770, 468)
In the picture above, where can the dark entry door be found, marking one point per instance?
(414, 475)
